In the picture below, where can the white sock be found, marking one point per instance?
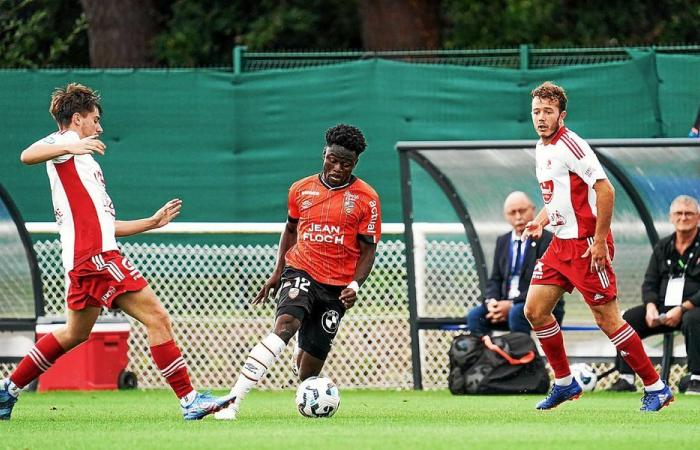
(564, 381)
(260, 359)
(12, 388)
(188, 399)
(627, 377)
(695, 377)
(655, 387)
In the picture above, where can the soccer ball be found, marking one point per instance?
(317, 397)
(585, 375)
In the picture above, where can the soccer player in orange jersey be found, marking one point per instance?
(326, 252)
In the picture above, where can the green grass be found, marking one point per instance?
(365, 420)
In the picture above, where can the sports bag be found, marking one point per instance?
(507, 364)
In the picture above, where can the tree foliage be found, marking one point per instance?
(204, 32)
(187, 33)
(584, 23)
(42, 33)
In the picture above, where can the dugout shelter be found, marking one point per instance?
(476, 176)
(21, 299)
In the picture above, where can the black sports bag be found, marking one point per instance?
(507, 364)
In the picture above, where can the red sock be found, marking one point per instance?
(169, 360)
(552, 342)
(630, 347)
(37, 361)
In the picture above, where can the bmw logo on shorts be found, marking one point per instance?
(330, 321)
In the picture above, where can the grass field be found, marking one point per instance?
(365, 420)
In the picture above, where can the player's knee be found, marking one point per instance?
(607, 324)
(286, 326)
(158, 322)
(531, 313)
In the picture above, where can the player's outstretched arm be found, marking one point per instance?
(348, 296)
(162, 217)
(287, 240)
(42, 151)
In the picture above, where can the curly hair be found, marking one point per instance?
(74, 98)
(551, 91)
(346, 136)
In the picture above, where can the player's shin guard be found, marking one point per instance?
(627, 342)
(260, 359)
(172, 366)
(37, 361)
(552, 342)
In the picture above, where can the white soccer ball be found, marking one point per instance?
(317, 397)
(585, 375)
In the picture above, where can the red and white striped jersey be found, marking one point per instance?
(84, 212)
(567, 169)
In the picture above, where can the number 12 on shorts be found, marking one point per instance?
(300, 283)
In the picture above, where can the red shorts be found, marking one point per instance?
(101, 279)
(562, 265)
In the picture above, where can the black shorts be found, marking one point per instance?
(316, 305)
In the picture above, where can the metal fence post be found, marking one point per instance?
(238, 58)
(525, 56)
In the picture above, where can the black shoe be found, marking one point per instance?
(622, 385)
(693, 387)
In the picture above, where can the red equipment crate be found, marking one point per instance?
(98, 363)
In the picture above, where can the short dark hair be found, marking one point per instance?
(551, 91)
(74, 98)
(346, 136)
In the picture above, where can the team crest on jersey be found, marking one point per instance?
(293, 293)
(349, 202)
(547, 190)
(330, 321)
(306, 204)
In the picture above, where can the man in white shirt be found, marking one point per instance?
(97, 274)
(579, 203)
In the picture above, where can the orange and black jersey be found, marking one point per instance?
(330, 222)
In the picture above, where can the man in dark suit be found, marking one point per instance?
(513, 262)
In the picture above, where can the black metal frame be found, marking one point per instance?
(411, 151)
(23, 324)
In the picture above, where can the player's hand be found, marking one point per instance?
(673, 317)
(167, 213)
(87, 146)
(270, 288)
(348, 297)
(694, 132)
(600, 259)
(532, 230)
(652, 316)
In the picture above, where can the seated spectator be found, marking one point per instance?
(671, 292)
(513, 262)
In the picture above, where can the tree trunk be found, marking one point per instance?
(400, 24)
(120, 32)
